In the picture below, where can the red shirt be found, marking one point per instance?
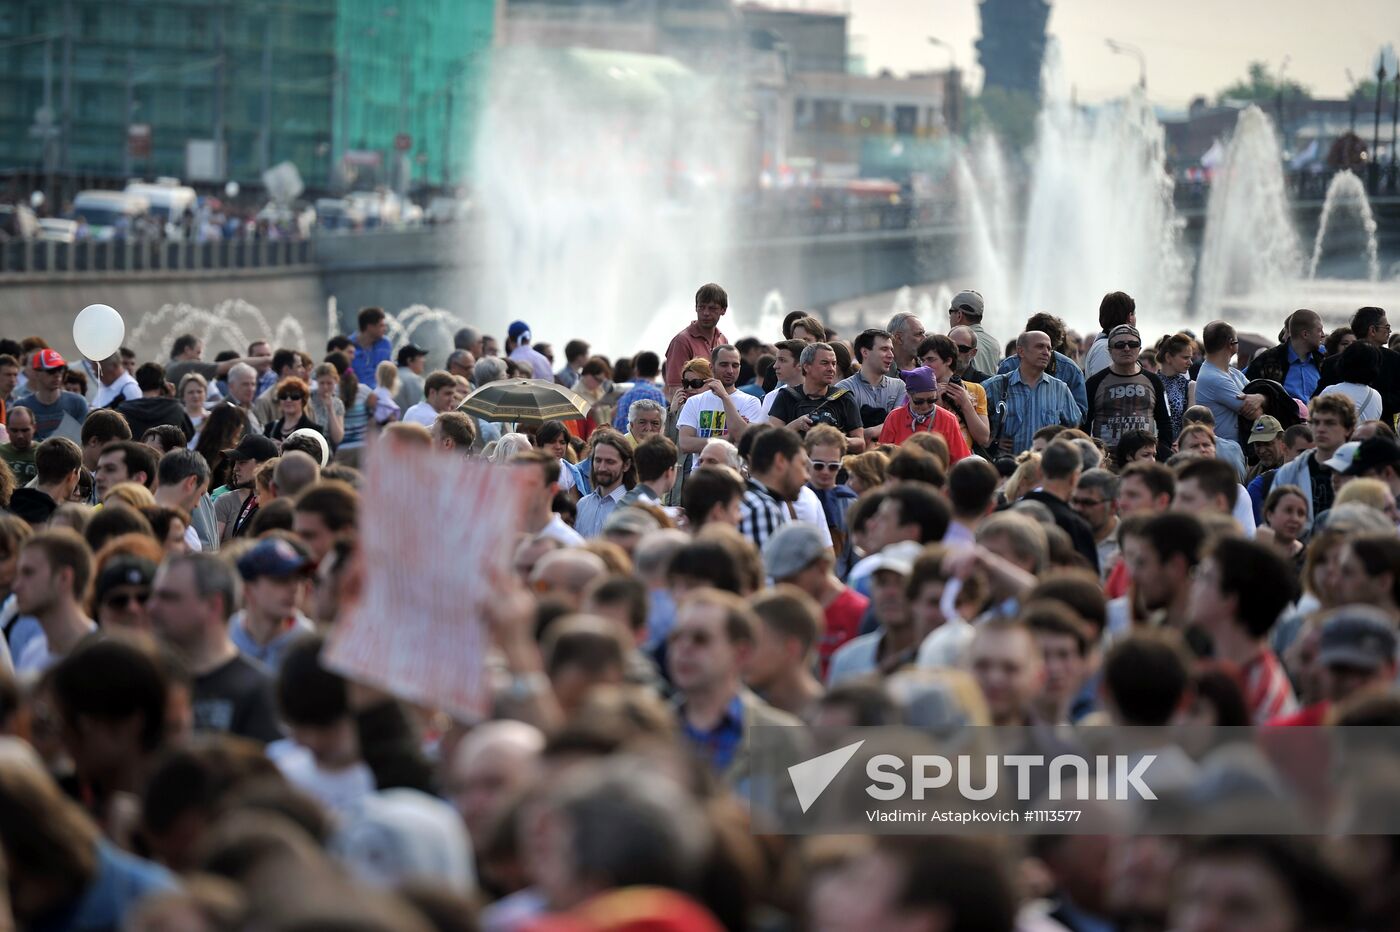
(1267, 692)
(843, 617)
(899, 427)
(690, 343)
(1116, 586)
(1315, 714)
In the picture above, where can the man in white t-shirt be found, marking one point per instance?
(439, 395)
(720, 411)
(113, 382)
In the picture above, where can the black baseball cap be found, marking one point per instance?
(253, 447)
(124, 570)
(409, 352)
(1374, 453)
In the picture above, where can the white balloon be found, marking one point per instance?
(231, 189)
(98, 330)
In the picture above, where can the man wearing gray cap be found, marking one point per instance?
(797, 554)
(1355, 653)
(966, 310)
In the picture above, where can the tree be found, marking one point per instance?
(1009, 114)
(1262, 86)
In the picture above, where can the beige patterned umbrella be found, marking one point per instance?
(525, 401)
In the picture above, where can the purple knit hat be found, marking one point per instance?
(921, 379)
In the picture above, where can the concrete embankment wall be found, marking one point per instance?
(47, 306)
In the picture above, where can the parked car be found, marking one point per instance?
(109, 213)
(334, 213)
(58, 230)
(169, 202)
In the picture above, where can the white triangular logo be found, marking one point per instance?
(811, 777)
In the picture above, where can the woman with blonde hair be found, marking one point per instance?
(193, 392)
(1371, 492)
(1025, 478)
(326, 405)
(386, 409)
(130, 493)
(866, 471)
(503, 450)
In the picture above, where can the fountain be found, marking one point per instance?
(980, 252)
(1251, 245)
(229, 325)
(1100, 217)
(597, 175)
(1347, 195)
(1252, 267)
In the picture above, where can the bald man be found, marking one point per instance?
(565, 574)
(493, 764)
(1028, 398)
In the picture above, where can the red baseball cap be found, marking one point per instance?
(47, 359)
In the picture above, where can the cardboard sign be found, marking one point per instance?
(434, 527)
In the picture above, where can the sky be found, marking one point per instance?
(1192, 47)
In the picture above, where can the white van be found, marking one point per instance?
(169, 202)
(104, 211)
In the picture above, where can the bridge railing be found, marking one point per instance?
(45, 257)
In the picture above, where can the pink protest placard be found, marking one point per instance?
(434, 527)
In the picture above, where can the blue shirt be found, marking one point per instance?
(269, 654)
(1302, 376)
(122, 881)
(49, 418)
(1219, 390)
(593, 511)
(721, 743)
(367, 360)
(1018, 410)
(1066, 370)
(638, 392)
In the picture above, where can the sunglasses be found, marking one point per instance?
(1125, 344)
(1087, 502)
(922, 402)
(125, 599)
(292, 396)
(964, 349)
(823, 466)
(693, 384)
(698, 638)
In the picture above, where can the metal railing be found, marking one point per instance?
(45, 257)
(752, 222)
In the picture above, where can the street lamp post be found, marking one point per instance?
(1278, 95)
(952, 97)
(1376, 135)
(1351, 99)
(1394, 123)
(1123, 48)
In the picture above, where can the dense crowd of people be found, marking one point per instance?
(921, 525)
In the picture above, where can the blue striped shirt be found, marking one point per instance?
(636, 393)
(1018, 410)
(1066, 370)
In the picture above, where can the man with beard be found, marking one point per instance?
(612, 477)
(777, 472)
(1161, 555)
